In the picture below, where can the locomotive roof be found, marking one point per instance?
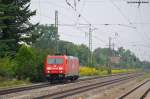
(62, 56)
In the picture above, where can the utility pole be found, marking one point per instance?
(56, 27)
(90, 45)
(109, 57)
(113, 49)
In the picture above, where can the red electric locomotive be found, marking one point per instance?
(61, 68)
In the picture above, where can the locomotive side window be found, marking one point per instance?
(55, 61)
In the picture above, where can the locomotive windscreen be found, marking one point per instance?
(55, 60)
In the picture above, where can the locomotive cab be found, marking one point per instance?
(61, 68)
(54, 67)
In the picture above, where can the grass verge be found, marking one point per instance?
(5, 84)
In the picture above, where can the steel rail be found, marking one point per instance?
(131, 91)
(13, 90)
(19, 89)
(145, 94)
(70, 92)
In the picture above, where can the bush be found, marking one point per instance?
(29, 64)
(40, 57)
(25, 63)
(6, 66)
(88, 71)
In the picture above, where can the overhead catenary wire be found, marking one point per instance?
(142, 23)
(100, 39)
(77, 26)
(58, 5)
(78, 14)
(99, 24)
(125, 25)
(120, 11)
(139, 15)
(138, 45)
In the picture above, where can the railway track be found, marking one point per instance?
(139, 92)
(26, 88)
(19, 89)
(74, 91)
(145, 94)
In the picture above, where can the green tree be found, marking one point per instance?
(47, 37)
(14, 22)
(83, 52)
(67, 48)
(101, 56)
(29, 63)
(80, 51)
(25, 63)
(128, 59)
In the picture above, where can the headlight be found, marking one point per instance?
(60, 68)
(48, 68)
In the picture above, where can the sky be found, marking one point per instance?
(127, 24)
